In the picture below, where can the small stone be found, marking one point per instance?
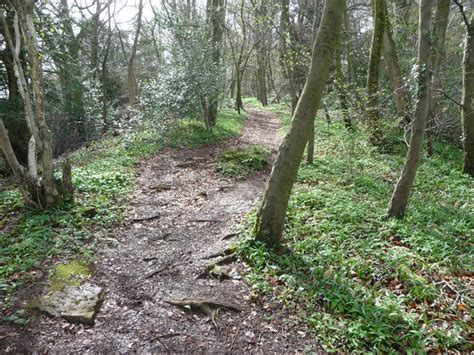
(76, 304)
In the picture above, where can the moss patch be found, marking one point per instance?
(241, 162)
(69, 274)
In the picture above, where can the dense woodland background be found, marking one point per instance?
(383, 77)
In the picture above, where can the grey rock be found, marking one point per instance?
(76, 304)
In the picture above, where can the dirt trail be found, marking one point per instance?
(183, 212)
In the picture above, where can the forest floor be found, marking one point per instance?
(185, 217)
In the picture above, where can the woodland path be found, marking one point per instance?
(174, 231)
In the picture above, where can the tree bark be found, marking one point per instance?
(271, 216)
(399, 200)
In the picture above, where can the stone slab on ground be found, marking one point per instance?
(76, 304)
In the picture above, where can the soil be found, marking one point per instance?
(183, 215)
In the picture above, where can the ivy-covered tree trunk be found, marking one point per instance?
(373, 72)
(271, 216)
(399, 200)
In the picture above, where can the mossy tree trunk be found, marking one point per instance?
(271, 216)
(399, 200)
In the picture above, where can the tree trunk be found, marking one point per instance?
(340, 87)
(271, 216)
(217, 16)
(373, 72)
(69, 73)
(316, 23)
(238, 91)
(402, 99)
(440, 25)
(399, 200)
(468, 101)
(286, 58)
(131, 79)
(20, 134)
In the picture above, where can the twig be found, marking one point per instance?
(163, 343)
(449, 97)
(233, 339)
(204, 220)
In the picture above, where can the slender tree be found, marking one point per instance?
(399, 200)
(217, 18)
(271, 216)
(467, 113)
(440, 24)
(373, 72)
(398, 84)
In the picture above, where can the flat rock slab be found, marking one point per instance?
(76, 304)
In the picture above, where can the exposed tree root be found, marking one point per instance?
(203, 305)
(228, 251)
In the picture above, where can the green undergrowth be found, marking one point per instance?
(103, 175)
(363, 282)
(241, 162)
